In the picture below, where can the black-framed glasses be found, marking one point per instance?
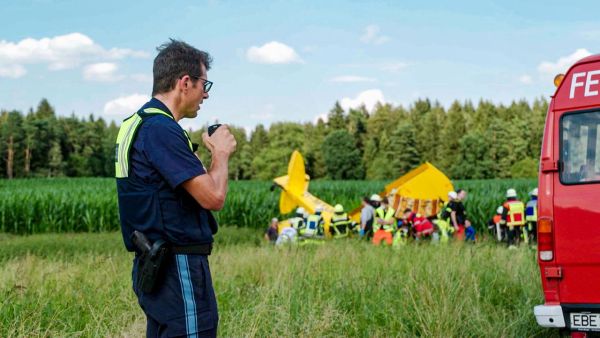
(207, 84)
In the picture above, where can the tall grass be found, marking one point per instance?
(90, 204)
(80, 285)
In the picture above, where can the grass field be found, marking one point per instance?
(78, 285)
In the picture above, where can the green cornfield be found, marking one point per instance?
(30, 206)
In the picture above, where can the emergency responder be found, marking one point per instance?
(495, 226)
(288, 236)
(531, 216)
(297, 222)
(443, 222)
(461, 216)
(420, 225)
(402, 231)
(340, 225)
(314, 225)
(367, 217)
(165, 196)
(385, 223)
(513, 215)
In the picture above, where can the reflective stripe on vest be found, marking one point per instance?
(389, 214)
(531, 211)
(340, 221)
(296, 222)
(445, 210)
(312, 224)
(126, 136)
(516, 213)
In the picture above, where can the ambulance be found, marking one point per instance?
(569, 203)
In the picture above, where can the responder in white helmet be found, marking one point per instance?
(511, 193)
(513, 216)
(314, 226)
(298, 222)
(340, 225)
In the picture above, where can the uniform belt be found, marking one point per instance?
(198, 249)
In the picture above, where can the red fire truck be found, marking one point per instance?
(569, 203)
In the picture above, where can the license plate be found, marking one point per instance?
(586, 321)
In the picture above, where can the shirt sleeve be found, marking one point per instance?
(167, 149)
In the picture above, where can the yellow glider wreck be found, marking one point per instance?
(421, 190)
(294, 191)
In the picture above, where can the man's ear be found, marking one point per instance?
(184, 83)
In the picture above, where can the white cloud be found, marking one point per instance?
(369, 98)
(525, 79)
(124, 106)
(12, 71)
(548, 68)
(60, 52)
(273, 53)
(351, 78)
(371, 35)
(102, 72)
(324, 117)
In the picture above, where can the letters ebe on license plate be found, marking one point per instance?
(585, 321)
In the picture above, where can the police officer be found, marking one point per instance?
(166, 194)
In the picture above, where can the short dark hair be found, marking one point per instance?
(407, 210)
(174, 60)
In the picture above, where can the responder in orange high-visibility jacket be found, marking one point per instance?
(513, 215)
(384, 224)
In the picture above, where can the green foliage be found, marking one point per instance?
(474, 160)
(44, 144)
(342, 159)
(525, 168)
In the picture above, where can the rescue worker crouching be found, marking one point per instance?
(384, 224)
(297, 222)
(340, 225)
(312, 231)
(513, 215)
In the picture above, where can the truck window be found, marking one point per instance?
(579, 148)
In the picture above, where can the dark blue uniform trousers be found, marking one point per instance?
(184, 304)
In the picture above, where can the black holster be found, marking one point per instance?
(151, 262)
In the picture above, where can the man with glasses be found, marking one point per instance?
(166, 196)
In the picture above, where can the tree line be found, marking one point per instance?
(465, 141)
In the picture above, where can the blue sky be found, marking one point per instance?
(290, 60)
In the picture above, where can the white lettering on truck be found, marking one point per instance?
(587, 84)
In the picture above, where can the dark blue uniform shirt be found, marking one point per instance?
(151, 199)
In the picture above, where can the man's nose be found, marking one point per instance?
(205, 96)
